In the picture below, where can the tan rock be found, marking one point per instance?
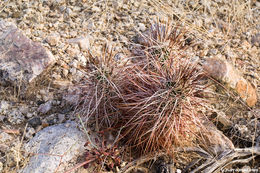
(226, 73)
(53, 39)
(247, 92)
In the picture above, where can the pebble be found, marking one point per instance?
(62, 118)
(45, 108)
(4, 105)
(141, 27)
(82, 59)
(34, 122)
(29, 132)
(84, 44)
(178, 171)
(65, 72)
(53, 39)
(15, 117)
(29, 115)
(5, 137)
(72, 51)
(96, 9)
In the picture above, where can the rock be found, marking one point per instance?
(65, 72)
(34, 122)
(4, 105)
(5, 137)
(72, 97)
(21, 60)
(225, 72)
(141, 26)
(53, 39)
(73, 71)
(83, 42)
(61, 118)
(96, 9)
(255, 40)
(45, 108)
(1, 166)
(54, 147)
(247, 92)
(214, 140)
(72, 51)
(29, 132)
(15, 116)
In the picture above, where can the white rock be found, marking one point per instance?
(3, 106)
(178, 171)
(54, 148)
(141, 26)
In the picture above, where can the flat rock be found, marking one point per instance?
(21, 60)
(54, 148)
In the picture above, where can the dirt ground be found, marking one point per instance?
(227, 29)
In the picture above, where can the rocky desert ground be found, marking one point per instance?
(45, 45)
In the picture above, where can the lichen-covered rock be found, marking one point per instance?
(225, 72)
(54, 147)
(21, 60)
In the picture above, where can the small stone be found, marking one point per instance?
(29, 115)
(4, 105)
(73, 71)
(61, 118)
(34, 122)
(74, 63)
(215, 68)
(65, 72)
(24, 109)
(45, 108)
(84, 44)
(5, 137)
(178, 171)
(1, 166)
(53, 39)
(141, 27)
(72, 51)
(82, 59)
(15, 117)
(96, 9)
(246, 169)
(72, 97)
(69, 11)
(247, 92)
(255, 40)
(29, 132)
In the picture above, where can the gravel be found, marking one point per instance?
(69, 29)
